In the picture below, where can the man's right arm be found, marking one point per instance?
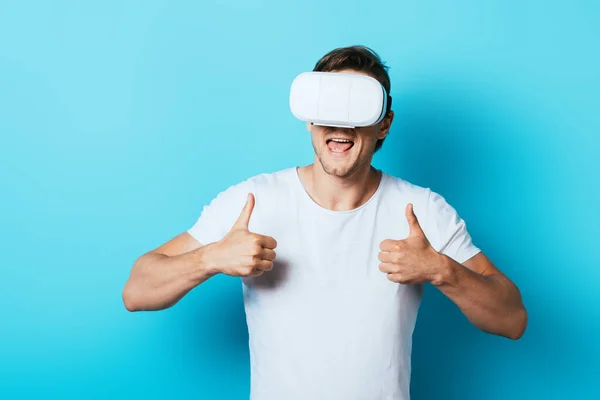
(161, 277)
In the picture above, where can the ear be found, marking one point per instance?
(384, 126)
(309, 126)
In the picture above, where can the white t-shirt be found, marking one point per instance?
(325, 322)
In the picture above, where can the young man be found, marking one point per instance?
(332, 257)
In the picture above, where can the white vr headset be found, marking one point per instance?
(339, 99)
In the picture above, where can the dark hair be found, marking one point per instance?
(358, 58)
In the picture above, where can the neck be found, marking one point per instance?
(339, 193)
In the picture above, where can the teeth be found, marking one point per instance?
(341, 140)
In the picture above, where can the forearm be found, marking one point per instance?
(158, 281)
(492, 303)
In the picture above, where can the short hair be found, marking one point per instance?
(358, 58)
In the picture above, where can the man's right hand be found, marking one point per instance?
(241, 252)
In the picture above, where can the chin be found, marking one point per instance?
(337, 171)
(340, 168)
(340, 171)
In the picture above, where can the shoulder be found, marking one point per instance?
(428, 204)
(278, 178)
(398, 189)
(262, 181)
(263, 185)
(398, 184)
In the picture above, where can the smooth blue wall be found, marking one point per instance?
(120, 120)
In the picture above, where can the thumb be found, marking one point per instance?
(413, 222)
(244, 218)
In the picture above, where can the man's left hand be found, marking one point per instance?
(412, 260)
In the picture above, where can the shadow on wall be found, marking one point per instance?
(213, 346)
(486, 160)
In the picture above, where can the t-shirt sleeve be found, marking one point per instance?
(217, 218)
(447, 231)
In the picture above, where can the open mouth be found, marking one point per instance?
(339, 146)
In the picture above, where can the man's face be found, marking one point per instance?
(343, 151)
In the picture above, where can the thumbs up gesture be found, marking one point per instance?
(411, 260)
(241, 252)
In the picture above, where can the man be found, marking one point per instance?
(333, 257)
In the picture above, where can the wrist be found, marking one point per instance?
(444, 272)
(206, 266)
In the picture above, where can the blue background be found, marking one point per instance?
(120, 120)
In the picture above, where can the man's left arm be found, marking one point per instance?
(487, 297)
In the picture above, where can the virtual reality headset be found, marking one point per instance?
(339, 99)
